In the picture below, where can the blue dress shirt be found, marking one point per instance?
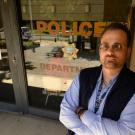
(91, 123)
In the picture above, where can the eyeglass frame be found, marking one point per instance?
(115, 47)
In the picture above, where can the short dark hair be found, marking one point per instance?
(119, 26)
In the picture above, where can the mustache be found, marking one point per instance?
(111, 56)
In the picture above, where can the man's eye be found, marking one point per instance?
(117, 46)
(104, 46)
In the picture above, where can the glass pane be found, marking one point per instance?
(59, 39)
(6, 87)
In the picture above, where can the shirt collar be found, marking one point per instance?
(110, 82)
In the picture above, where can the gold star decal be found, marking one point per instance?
(70, 51)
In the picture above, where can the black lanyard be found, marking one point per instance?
(98, 99)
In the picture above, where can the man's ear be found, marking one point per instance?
(128, 52)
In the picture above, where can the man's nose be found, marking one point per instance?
(110, 50)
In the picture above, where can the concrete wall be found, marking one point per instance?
(133, 2)
(72, 10)
(0, 21)
(116, 10)
(76, 10)
(132, 61)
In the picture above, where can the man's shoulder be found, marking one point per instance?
(128, 78)
(93, 72)
(131, 74)
(91, 69)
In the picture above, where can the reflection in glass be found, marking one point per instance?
(56, 50)
(6, 87)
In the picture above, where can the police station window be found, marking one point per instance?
(59, 39)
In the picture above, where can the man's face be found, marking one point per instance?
(113, 50)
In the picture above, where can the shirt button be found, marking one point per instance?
(78, 130)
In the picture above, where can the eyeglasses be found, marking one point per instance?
(115, 47)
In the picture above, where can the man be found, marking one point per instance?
(101, 100)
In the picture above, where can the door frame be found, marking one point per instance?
(10, 15)
(132, 26)
(15, 56)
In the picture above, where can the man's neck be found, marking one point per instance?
(108, 74)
